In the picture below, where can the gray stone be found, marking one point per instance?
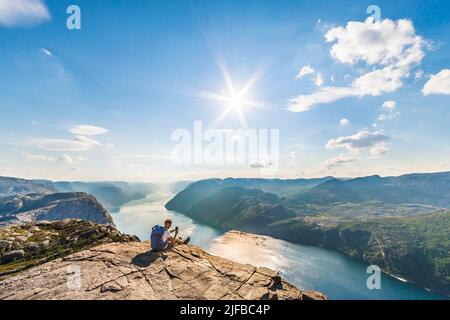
(5, 245)
(12, 256)
(129, 271)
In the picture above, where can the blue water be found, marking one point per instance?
(308, 267)
(138, 218)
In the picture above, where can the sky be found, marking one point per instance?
(349, 92)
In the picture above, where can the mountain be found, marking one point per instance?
(111, 194)
(192, 192)
(427, 189)
(329, 192)
(13, 186)
(399, 223)
(122, 268)
(178, 186)
(250, 209)
(55, 206)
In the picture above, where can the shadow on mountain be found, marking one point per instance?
(145, 259)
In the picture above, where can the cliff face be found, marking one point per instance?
(56, 206)
(415, 248)
(130, 271)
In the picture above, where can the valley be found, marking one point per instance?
(312, 225)
(398, 223)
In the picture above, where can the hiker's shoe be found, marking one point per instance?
(187, 240)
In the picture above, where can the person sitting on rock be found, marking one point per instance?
(161, 237)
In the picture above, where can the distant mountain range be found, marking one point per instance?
(14, 186)
(427, 189)
(111, 194)
(24, 200)
(400, 223)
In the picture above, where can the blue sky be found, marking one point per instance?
(101, 103)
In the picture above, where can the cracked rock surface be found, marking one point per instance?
(130, 271)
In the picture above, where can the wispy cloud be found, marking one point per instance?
(318, 80)
(56, 63)
(305, 71)
(63, 145)
(88, 130)
(62, 158)
(80, 142)
(23, 12)
(325, 95)
(46, 52)
(338, 161)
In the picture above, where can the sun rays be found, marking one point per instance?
(235, 102)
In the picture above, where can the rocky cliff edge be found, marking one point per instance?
(129, 271)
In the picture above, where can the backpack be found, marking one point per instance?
(156, 238)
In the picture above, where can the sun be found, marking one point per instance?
(233, 102)
(238, 103)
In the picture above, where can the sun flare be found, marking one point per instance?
(234, 102)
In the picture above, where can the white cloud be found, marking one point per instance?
(390, 48)
(318, 80)
(389, 105)
(304, 103)
(64, 145)
(39, 157)
(373, 141)
(46, 52)
(81, 142)
(419, 74)
(305, 71)
(68, 159)
(88, 130)
(375, 83)
(23, 12)
(379, 150)
(388, 116)
(63, 158)
(88, 141)
(438, 83)
(338, 161)
(344, 122)
(381, 42)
